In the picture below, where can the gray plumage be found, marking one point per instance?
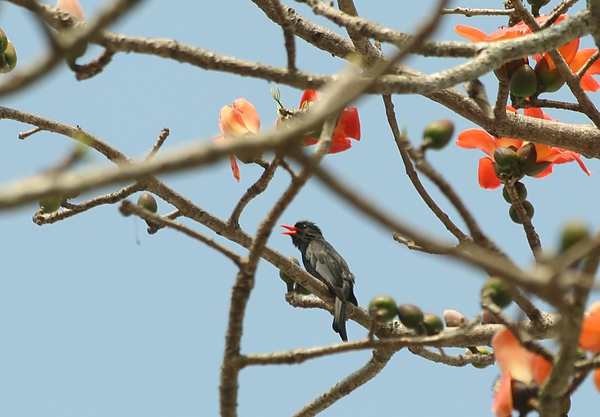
(322, 260)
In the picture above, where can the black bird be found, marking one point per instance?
(322, 260)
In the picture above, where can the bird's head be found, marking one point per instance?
(302, 232)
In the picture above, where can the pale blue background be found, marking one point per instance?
(94, 324)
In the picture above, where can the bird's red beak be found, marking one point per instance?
(292, 230)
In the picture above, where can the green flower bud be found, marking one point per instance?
(148, 202)
(512, 212)
(498, 291)
(522, 394)
(410, 315)
(536, 5)
(10, 59)
(3, 41)
(523, 83)
(433, 324)
(573, 232)
(50, 204)
(382, 308)
(521, 191)
(437, 134)
(528, 160)
(505, 158)
(548, 80)
(482, 350)
(506, 71)
(527, 155)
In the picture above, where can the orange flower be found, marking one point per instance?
(546, 156)
(235, 122)
(576, 60)
(590, 335)
(71, 6)
(549, 77)
(522, 373)
(512, 32)
(348, 125)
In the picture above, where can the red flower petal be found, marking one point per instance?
(308, 96)
(486, 175)
(234, 168)
(476, 139)
(348, 124)
(471, 33)
(503, 403)
(339, 145)
(540, 368)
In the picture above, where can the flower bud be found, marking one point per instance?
(410, 315)
(506, 71)
(433, 324)
(536, 5)
(148, 202)
(505, 158)
(573, 232)
(527, 155)
(522, 394)
(382, 308)
(523, 83)
(521, 192)
(487, 317)
(3, 41)
(549, 80)
(514, 216)
(482, 350)
(8, 61)
(498, 291)
(437, 134)
(50, 204)
(453, 318)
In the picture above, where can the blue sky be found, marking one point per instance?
(100, 319)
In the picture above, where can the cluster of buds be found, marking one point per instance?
(383, 309)
(8, 55)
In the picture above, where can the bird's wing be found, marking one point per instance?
(327, 265)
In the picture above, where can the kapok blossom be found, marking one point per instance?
(546, 155)
(71, 6)
(348, 126)
(576, 60)
(523, 372)
(590, 335)
(511, 32)
(235, 122)
(545, 67)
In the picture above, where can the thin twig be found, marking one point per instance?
(127, 208)
(288, 34)
(164, 134)
(404, 146)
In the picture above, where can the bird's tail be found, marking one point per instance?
(339, 318)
